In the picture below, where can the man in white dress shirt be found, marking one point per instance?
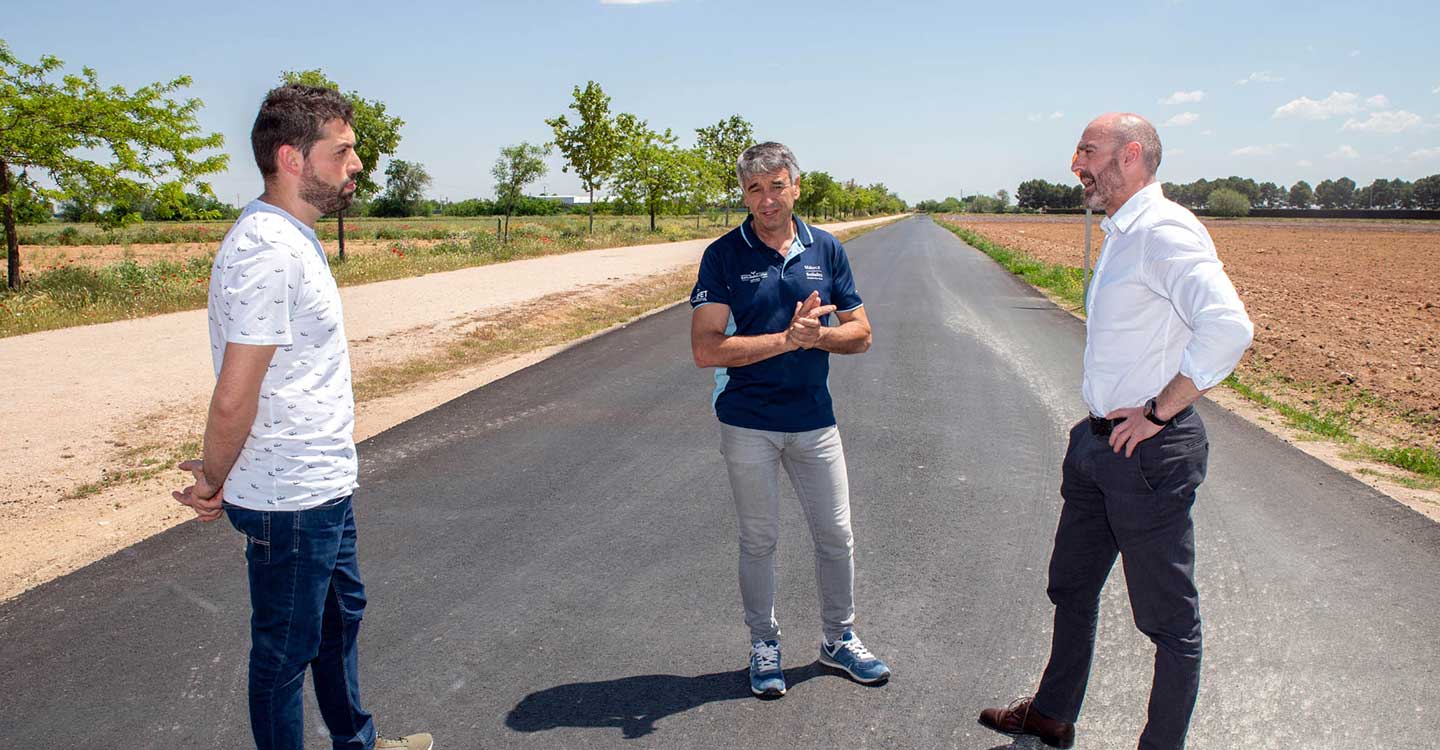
(1163, 326)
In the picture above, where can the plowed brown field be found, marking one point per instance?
(1344, 307)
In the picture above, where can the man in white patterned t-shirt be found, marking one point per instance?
(279, 457)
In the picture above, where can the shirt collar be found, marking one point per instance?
(258, 205)
(1128, 213)
(802, 232)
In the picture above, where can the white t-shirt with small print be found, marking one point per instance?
(271, 284)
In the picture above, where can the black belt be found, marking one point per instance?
(1103, 427)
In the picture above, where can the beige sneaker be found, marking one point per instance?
(421, 741)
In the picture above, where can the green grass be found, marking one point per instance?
(1063, 281)
(144, 462)
(1336, 425)
(1067, 284)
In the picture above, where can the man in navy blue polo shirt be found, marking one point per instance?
(764, 295)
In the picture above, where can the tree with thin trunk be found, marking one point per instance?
(722, 143)
(591, 145)
(650, 171)
(518, 166)
(376, 134)
(54, 129)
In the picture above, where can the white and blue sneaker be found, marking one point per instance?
(766, 679)
(849, 654)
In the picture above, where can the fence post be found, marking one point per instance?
(1085, 289)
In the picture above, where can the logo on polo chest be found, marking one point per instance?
(815, 273)
(755, 277)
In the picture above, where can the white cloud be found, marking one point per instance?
(1175, 152)
(1207, 132)
(1035, 118)
(1266, 150)
(1378, 101)
(1354, 53)
(1435, 90)
(1344, 152)
(1184, 97)
(1397, 121)
(1042, 116)
(1182, 119)
(1263, 76)
(1304, 163)
(1056, 115)
(1425, 154)
(1336, 104)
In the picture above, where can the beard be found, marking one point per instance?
(1108, 182)
(325, 197)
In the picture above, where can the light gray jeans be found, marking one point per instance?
(815, 461)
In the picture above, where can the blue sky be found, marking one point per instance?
(931, 98)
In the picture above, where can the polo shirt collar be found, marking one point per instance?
(802, 232)
(1128, 213)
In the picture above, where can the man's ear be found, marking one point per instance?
(289, 159)
(1132, 153)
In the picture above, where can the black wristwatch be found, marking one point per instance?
(1149, 412)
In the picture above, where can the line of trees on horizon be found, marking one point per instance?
(1230, 196)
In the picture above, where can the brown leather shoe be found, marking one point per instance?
(1018, 718)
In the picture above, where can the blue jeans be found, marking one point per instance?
(306, 600)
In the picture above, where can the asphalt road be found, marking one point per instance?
(551, 564)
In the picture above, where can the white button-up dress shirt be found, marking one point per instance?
(1160, 305)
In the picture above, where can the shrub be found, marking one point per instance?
(1227, 202)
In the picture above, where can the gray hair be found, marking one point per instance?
(1132, 128)
(764, 158)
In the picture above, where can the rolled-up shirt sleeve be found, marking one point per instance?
(1182, 266)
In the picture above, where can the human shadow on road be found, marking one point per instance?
(634, 704)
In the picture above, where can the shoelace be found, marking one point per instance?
(764, 656)
(857, 648)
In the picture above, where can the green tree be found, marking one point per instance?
(702, 181)
(722, 143)
(376, 134)
(1336, 193)
(405, 185)
(1227, 202)
(1427, 192)
(592, 145)
(1382, 193)
(649, 173)
(518, 166)
(54, 129)
(30, 206)
(1271, 195)
(1300, 195)
(1002, 201)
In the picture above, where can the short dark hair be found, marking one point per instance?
(295, 115)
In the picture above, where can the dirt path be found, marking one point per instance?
(90, 402)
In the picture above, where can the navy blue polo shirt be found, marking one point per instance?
(788, 392)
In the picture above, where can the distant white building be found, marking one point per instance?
(572, 200)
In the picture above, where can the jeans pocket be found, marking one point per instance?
(255, 525)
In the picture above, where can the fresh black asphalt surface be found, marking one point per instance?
(551, 562)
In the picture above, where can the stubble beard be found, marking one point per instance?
(1108, 182)
(326, 198)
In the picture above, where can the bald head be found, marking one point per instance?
(1124, 128)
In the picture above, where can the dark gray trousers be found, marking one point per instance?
(1138, 508)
